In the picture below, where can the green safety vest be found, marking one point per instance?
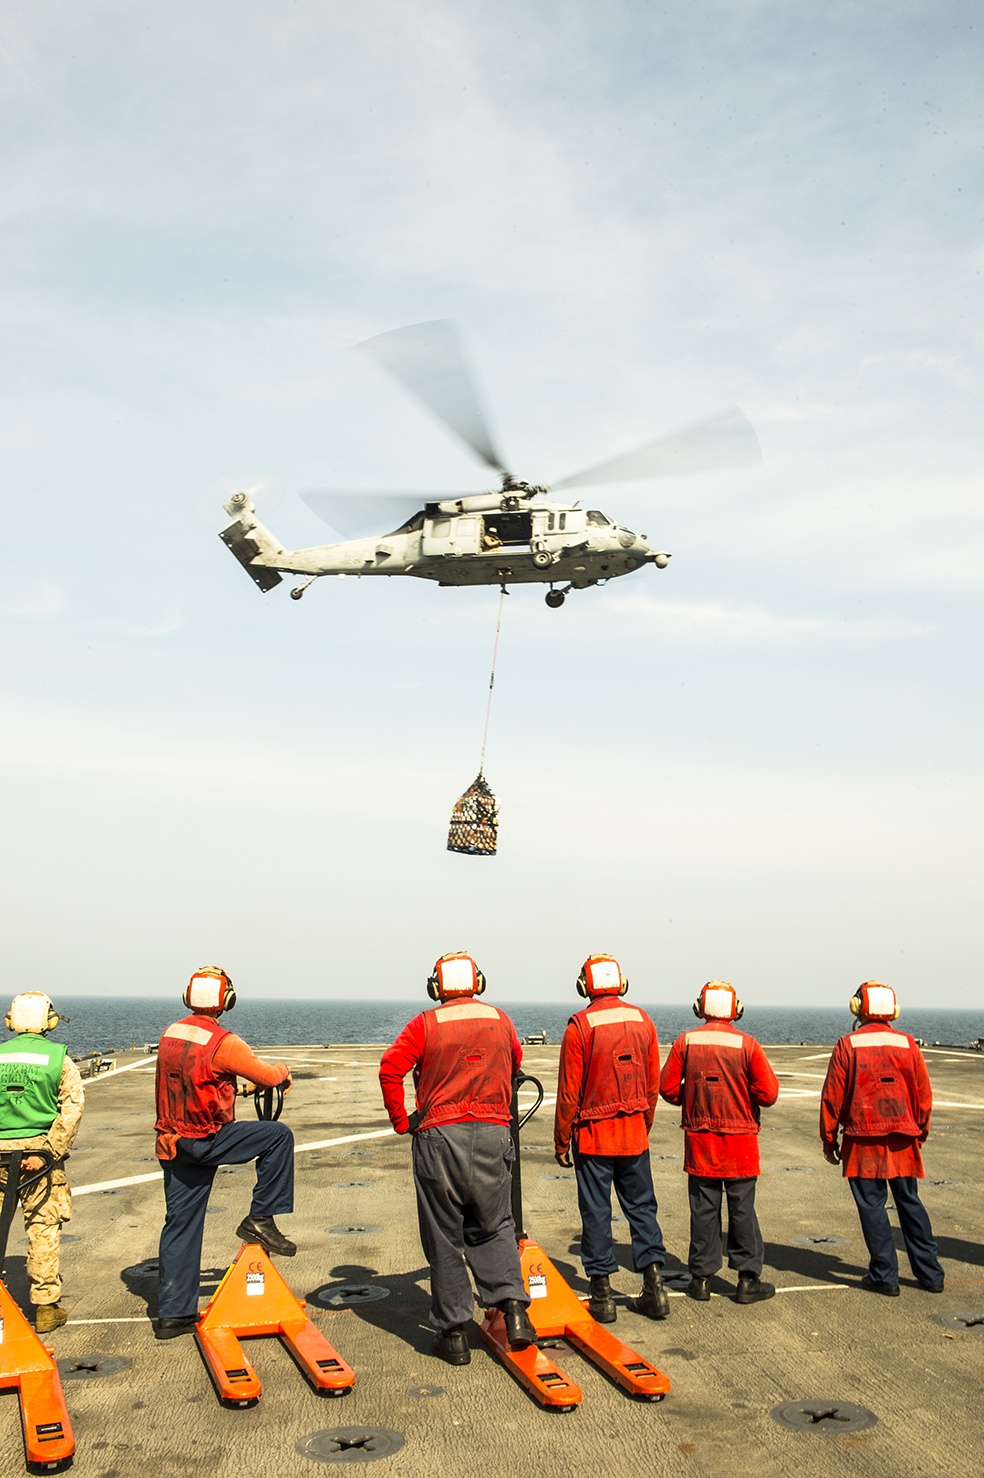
(30, 1074)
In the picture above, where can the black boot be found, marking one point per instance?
(520, 1333)
(451, 1346)
(654, 1302)
(697, 1288)
(751, 1289)
(171, 1328)
(264, 1230)
(601, 1304)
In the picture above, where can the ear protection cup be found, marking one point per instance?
(854, 1006)
(433, 988)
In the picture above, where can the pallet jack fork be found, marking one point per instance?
(556, 1312)
(253, 1300)
(26, 1365)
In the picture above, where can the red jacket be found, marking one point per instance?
(193, 1101)
(609, 1071)
(878, 1090)
(721, 1077)
(198, 1063)
(463, 1055)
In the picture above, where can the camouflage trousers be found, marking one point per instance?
(43, 1223)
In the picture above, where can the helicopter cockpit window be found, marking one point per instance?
(598, 519)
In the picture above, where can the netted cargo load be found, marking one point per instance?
(475, 821)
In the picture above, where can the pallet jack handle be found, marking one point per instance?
(515, 1126)
(263, 1102)
(17, 1181)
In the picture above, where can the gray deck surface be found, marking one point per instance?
(729, 1365)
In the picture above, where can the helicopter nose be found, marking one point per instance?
(626, 538)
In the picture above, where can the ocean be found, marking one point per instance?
(113, 1023)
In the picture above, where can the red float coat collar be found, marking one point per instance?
(465, 1071)
(876, 1084)
(193, 1100)
(721, 1077)
(615, 1043)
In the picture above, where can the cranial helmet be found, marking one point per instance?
(32, 1011)
(718, 1001)
(600, 976)
(874, 1001)
(455, 977)
(210, 990)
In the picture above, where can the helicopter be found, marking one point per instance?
(517, 533)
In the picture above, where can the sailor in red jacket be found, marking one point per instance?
(877, 1091)
(463, 1055)
(198, 1062)
(607, 1092)
(722, 1078)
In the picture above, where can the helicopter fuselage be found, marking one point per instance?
(491, 539)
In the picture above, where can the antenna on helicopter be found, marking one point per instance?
(474, 828)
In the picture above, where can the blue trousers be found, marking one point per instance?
(746, 1250)
(632, 1177)
(871, 1197)
(187, 1185)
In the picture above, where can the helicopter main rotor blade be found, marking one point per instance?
(724, 440)
(428, 361)
(357, 514)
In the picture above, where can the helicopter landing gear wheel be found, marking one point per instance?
(542, 559)
(555, 599)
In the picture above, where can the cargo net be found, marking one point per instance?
(475, 821)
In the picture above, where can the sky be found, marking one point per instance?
(761, 764)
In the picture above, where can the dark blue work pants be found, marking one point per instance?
(187, 1184)
(871, 1197)
(746, 1250)
(632, 1177)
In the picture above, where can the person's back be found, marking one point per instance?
(607, 1088)
(721, 1079)
(198, 1063)
(41, 1103)
(462, 1055)
(877, 1100)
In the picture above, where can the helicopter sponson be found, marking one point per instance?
(496, 538)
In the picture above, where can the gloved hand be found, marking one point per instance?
(413, 1120)
(563, 1157)
(287, 1084)
(831, 1154)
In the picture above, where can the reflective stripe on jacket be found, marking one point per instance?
(616, 1041)
(466, 1068)
(721, 1077)
(193, 1100)
(30, 1073)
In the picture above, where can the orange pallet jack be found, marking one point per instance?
(26, 1365)
(556, 1312)
(253, 1300)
